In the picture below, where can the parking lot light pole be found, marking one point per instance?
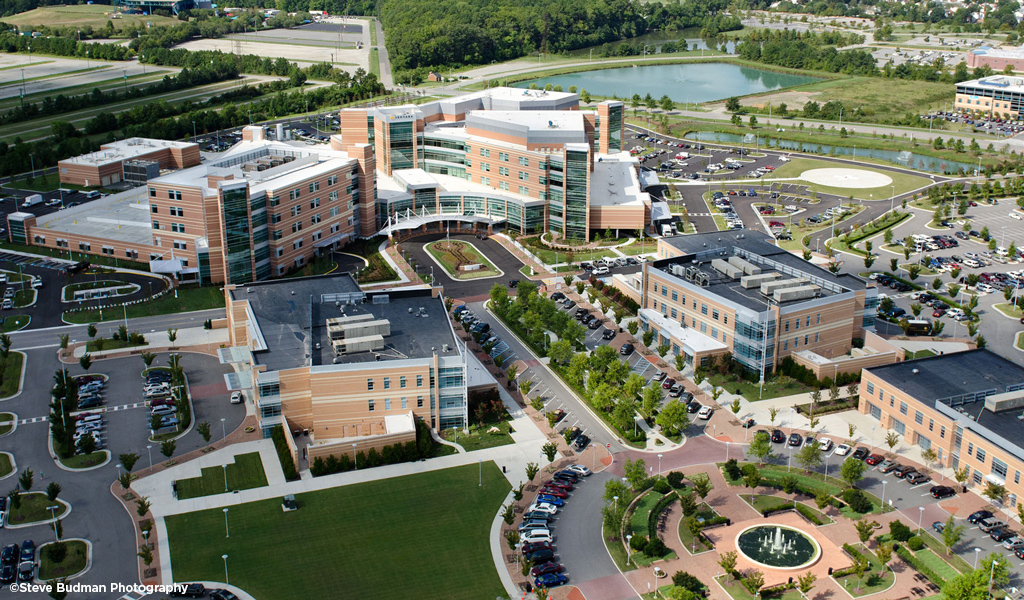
(150, 450)
(977, 551)
(628, 538)
(727, 451)
(659, 466)
(227, 532)
(226, 579)
(920, 515)
(225, 480)
(223, 428)
(53, 517)
(883, 493)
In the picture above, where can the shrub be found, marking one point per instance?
(662, 487)
(655, 547)
(857, 501)
(675, 479)
(911, 559)
(899, 531)
(638, 543)
(687, 581)
(789, 483)
(809, 514)
(284, 454)
(732, 469)
(915, 543)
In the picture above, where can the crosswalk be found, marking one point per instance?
(108, 409)
(133, 596)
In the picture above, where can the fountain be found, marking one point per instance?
(778, 546)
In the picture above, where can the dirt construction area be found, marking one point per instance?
(318, 42)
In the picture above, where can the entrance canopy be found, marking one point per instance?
(411, 220)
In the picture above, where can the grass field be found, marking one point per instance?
(904, 183)
(736, 591)
(752, 391)
(935, 563)
(870, 582)
(8, 419)
(189, 299)
(344, 535)
(460, 252)
(74, 562)
(243, 474)
(1009, 310)
(81, 15)
(647, 246)
(479, 438)
(15, 322)
(84, 461)
(12, 375)
(5, 465)
(881, 98)
(32, 509)
(375, 61)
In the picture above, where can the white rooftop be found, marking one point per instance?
(122, 150)
(1002, 82)
(566, 120)
(689, 337)
(614, 182)
(124, 217)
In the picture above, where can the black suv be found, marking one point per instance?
(903, 470)
(192, 590)
(944, 491)
(9, 555)
(626, 349)
(975, 517)
(795, 439)
(778, 437)
(860, 453)
(581, 442)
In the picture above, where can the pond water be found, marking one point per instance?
(912, 160)
(777, 546)
(700, 82)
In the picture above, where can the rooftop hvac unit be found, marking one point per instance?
(691, 272)
(747, 267)
(702, 279)
(769, 288)
(801, 292)
(677, 270)
(753, 281)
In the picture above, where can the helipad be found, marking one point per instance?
(846, 178)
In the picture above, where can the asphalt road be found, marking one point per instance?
(48, 338)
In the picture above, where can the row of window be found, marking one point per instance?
(682, 300)
(387, 382)
(404, 403)
(797, 322)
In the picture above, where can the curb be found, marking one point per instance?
(21, 382)
(14, 468)
(46, 521)
(88, 559)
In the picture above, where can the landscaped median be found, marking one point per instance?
(33, 507)
(849, 241)
(461, 259)
(63, 559)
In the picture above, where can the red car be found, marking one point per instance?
(534, 546)
(874, 459)
(938, 312)
(559, 483)
(548, 567)
(732, 192)
(553, 491)
(668, 383)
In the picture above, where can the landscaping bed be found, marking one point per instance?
(33, 509)
(188, 299)
(5, 464)
(454, 255)
(763, 503)
(12, 375)
(870, 582)
(84, 461)
(479, 436)
(378, 270)
(15, 322)
(75, 561)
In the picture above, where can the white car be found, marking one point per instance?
(825, 444)
(1015, 215)
(601, 271)
(705, 413)
(842, 450)
(580, 470)
(543, 507)
(984, 288)
(536, 535)
(236, 397)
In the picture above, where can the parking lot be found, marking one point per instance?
(993, 126)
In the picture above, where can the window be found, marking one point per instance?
(714, 314)
(294, 194)
(419, 381)
(314, 187)
(503, 185)
(919, 417)
(903, 408)
(176, 211)
(333, 179)
(970, 449)
(405, 403)
(296, 211)
(785, 344)
(277, 234)
(980, 455)
(797, 322)
(296, 227)
(485, 152)
(401, 381)
(275, 218)
(931, 424)
(725, 319)
(332, 196)
(819, 319)
(486, 167)
(317, 235)
(503, 171)
(156, 224)
(180, 245)
(419, 401)
(153, 209)
(675, 296)
(999, 467)
(524, 161)
(703, 327)
(485, 180)
(84, 246)
(371, 404)
(674, 315)
(796, 342)
(278, 253)
(871, 388)
(942, 432)
(524, 176)
(173, 195)
(387, 404)
(664, 291)
(314, 202)
(107, 250)
(787, 326)
(315, 219)
(178, 227)
(387, 383)
(369, 384)
(703, 309)
(152, 193)
(808, 320)
(714, 332)
(503, 156)
(806, 339)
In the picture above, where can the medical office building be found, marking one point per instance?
(968, 407)
(735, 291)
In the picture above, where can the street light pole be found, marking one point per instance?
(226, 579)
(227, 532)
(223, 428)
(149, 449)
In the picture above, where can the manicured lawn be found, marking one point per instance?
(939, 549)
(638, 522)
(452, 255)
(1020, 340)
(82, 15)
(381, 539)
(752, 391)
(550, 256)
(23, 298)
(33, 509)
(479, 436)
(84, 461)
(1009, 310)
(699, 545)
(616, 550)
(16, 322)
(762, 503)
(935, 563)
(189, 299)
(378, 270)
(904, 183)
(73, 563)
(9, 419)
(5, 465)
(919, 354)
(870, 582)
(108, 344)
(637, 247)
(317, 266)
(243, 474)
(12, 375)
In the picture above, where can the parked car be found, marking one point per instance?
(28, 551)
(192, 590)
(842, 450)
(693, 406)
(1013, 543)
(221, 594)
(26, 571)
(550, 580)
(532, 524)
(860, 453)
(676, 391)
(581, 442)
(580, 470)
(990, 524)
(778, 437)
(795, 439)
(536, 546)
(887, 465)
(974, 517)
(537, 535)
(917, 478)
(608, 334)
(903, 470)
(944, 491)
(939, 526)
(10, 554)
(8, 573)
(550, 499)
(539, 556)
(626, 349)
(550, 490)
(1001, 535)
(668, 383)
(825, 444)
(536, 515)
(705, 413)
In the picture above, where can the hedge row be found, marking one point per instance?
(809, 514)
(652, 518)
(284, 454)
(790, 368)
(911, 559)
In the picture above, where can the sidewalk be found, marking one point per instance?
(192, 339)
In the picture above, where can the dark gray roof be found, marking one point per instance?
(756, 243)
(953, 374)
(292, 316)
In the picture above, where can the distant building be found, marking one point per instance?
(999, 95)
(432, 76)
(106, 166)
(996, 58)
(148, 6)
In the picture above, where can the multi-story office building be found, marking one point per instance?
(999, 96)
(996, 58)
(351, 369)
(528, 159)
(106, 166)
(735, 291)
(258, 210)
(965, 406)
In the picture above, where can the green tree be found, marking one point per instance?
(91, 330)
(532, 469)
(172, 336)
(142, 506)
(167, 448)
(892, 439)
(651, 397)
(52, 491)
(761, 448)
(666, 103)
(204, 430)
(635, 472)
(805, 583)
(997, 567)
(728, 562)
(673, 418)
(864, 530)
(648, 337)
(85, 361)
(732, 104)
(549, 450)
(809, 457)
(128, 460)
(952, 534)
(26, 479)
(702, 485)
(852, 471)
